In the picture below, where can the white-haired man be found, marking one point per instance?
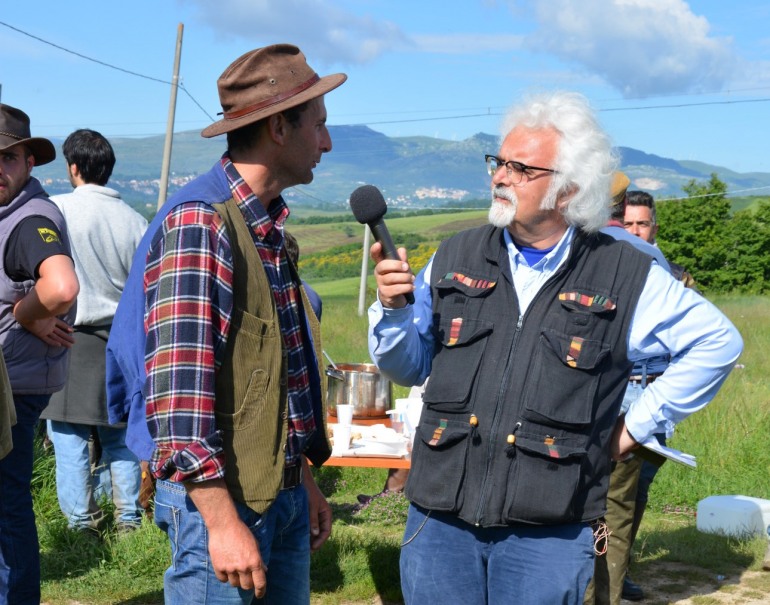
(528, 328)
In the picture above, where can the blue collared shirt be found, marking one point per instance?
(669, 320)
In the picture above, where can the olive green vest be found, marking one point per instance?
(251, 388)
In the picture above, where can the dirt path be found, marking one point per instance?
(678, 584)
(675, 584)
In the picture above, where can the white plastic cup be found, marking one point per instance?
(345, 414)
(409, 409)
(341, 436)
(398, 417)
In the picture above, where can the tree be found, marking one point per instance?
(748, 253)
(692, 231)
(724, 253)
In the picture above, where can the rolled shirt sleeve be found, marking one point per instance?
(188, 307)
(702, 342)
(401, 340)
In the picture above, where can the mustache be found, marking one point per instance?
(504, 192)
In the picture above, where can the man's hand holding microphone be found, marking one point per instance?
(395, 280)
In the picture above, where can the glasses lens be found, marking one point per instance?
(515, 172)
(492, 165)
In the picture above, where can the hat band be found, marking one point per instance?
(13, 136)
(234, 115)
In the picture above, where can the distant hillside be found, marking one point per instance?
(411, 171)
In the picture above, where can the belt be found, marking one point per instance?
(640, 379)
(292, 476)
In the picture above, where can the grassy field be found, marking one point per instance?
(360, 560)
(316, 238)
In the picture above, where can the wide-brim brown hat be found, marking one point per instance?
(14, 130)
(264, 82)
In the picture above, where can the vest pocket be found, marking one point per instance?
(543, 480)
(250, 406)
(438, 463)
(574, 364)
(456, 363)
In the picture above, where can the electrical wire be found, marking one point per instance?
(105, 64)
(488, 112)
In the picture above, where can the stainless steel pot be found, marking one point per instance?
(360, 385)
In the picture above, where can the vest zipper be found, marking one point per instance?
(496, 419)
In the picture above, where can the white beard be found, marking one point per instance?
(501, 214)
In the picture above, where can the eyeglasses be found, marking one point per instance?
(514, 170)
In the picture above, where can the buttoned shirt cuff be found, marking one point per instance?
(640, 420)
(200, 461)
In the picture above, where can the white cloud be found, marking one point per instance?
(641, 47)
(323, 31)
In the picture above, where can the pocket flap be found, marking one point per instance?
(470, 285)
(549, 447)
(438, 434)
(586, 301)
(576, 352)
(462, 331)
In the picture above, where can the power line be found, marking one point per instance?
(705, 195)
(488, 112)
(187, 92)
(608, 109)
(105, 64)
(77, 54)
(680, 105)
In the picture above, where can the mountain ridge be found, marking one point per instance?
(415, 171)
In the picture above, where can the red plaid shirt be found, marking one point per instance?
(189, 301)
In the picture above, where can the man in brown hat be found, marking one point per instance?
(38, 287)
(216, 342)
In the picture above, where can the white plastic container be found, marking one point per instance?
(738, 516)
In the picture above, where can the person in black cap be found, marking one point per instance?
(38, 288)
(216, 341)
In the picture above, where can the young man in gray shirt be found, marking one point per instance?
(104, 233)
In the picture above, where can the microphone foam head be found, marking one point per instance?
(367, 204)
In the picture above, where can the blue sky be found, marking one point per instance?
(690, 81)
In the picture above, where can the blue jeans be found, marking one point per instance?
(446, 560)
(283, 535)
(632, 394)
(75, 483)
(19, 548)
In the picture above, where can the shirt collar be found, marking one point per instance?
(550, 262)
(261, 221)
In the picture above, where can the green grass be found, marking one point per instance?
(360, 560)
(316, 238)
(727, 436)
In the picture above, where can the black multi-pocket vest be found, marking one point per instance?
(519, 409)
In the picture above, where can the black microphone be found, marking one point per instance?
(369, 207)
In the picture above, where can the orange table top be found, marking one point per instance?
(367, 461)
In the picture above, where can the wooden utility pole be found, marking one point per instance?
(163, 188)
